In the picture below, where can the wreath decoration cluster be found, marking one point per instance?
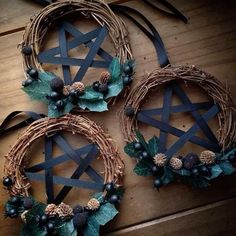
(49, 88)
(42, 219)
(191, 168)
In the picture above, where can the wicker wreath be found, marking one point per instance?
(110, 83)
(192, 168)
(52, 218)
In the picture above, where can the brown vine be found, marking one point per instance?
(16, 158)
(213, 87)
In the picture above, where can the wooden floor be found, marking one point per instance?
(208, 41)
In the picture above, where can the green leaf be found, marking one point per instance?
(52, 112)
(224, 156)
(153, 146)
(227, 168)
(98, 106)
(92, 227)
(66, 229)
(215, 172)
(168, 176)
(39, 89)
(91, 95)
(115, 69)
(98, 196)
(182, 172)
(37, 209)
(114, 89)
(142, 168)
(141, 140)
(130, 150)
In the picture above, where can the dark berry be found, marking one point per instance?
(43, 219)
(27, 203)
(37, 219)
(79, 220)
(205, 171)
(7, 182)
(109, 187)
(33, 73)
(129, 111)
(96, 86)
(27, 50)
(195, 172)
(55, 96)
(127, 80)
(15, 201)
(128, 70)
(57, 84)
(114, 199)
(232, 157)
(144, 154)
(78, 209)
(137, 146)
(50, 227)
(155, 169)
(27, 82)
(190, 160)
(60, 105)
(103, 88)
(158, 183)
(13, 213)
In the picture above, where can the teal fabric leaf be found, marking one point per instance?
(153, 146)
(141, 140)
(168, 176)
(215, 172)
(92, 227)
(115, 69)
(66, 229)
(97, 106)
(52, 112)
(129, 150)
(142, 168)
(182, 172)
(227, 168)
(98, 196)
(224, 156)
(91, 95)
(39, 89)
(114, 89)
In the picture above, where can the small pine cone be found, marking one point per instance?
(93, 204)
(175, 163)
(104, 77)
(66, 90)
(207, 157)
(23, 216)
(51, 210)
(160, 159)
(64, 211)
(79, 86)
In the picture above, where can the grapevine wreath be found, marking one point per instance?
(62, 96)
(165, 163)
(56, 217)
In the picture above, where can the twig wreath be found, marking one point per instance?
(153, 158)
(62, 96)
(59, 218)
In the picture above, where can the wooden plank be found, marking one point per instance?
(213, 219)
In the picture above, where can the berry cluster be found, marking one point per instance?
(127, 74)
(32, 74)
(45, 221)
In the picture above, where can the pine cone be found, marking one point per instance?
(66, 90)
(93, 204)
(160, 159)
(104, 77)
(175, 163)
(207, 157)
(51, 210)
(79, 86)
(64, 211)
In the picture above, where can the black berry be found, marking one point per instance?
(114, 199)
(144, 154)
(205, 171)
(190, 160)
(55, 96)
(60, 105)
(78, 209)
(137, 146)
(15, 201)
(128, 70)
(127, 80)
(155, 169)
(232, 157)
(27, 82)
(43, 219)
(27, 203)
(103, 88)
(27, 50)
(33, 73)
(13, 213)
(96, 86)
(129, 111)
(195, 172)
(57, 84)
(79, 220)
(158, 183)
(50, 227)
(109, 187)
(7, 182)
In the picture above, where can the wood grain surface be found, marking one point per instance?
(207, 41)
